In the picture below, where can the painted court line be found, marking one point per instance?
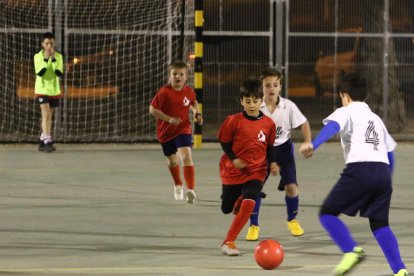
(170, 268)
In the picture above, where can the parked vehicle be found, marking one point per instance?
(328, 67)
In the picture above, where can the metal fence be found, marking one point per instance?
(312, 42)
(117, 54)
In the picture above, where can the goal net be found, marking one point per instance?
(116, 56)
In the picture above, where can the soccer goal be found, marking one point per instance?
(116, 55)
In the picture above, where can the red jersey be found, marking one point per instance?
(250, 138)
(175, 104)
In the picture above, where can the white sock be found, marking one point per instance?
(47, 139)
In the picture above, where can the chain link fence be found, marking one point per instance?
(117, 54)
(320, 39)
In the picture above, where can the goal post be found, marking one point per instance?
(198, 67)
(116, 56)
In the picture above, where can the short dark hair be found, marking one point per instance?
(354, 85)
(271, 72)
(48, 35)
(251, 88)
(178, 64)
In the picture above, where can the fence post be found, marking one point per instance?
(386, 37)
(198, 67)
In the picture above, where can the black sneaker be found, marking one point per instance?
(49, 147)
(42, 146)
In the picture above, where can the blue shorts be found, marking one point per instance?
(365, 187)
(170, 147)
(286, 161)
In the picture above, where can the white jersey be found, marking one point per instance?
(286, 116)
(364, 137)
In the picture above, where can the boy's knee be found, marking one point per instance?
(172, 161)
(327, 211)
(172, 164)
(226, 208)
(187, 160)
(377, 224)
(291, 189)
(251, 195)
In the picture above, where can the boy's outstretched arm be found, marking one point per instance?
(306, 131)
(329, 130)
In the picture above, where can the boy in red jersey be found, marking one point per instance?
(247, 141)
(171, 107)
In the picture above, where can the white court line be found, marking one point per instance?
(170, 268)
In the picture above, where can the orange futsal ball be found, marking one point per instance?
(269, 254)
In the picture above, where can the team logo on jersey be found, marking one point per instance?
(186, 101)
(278, 131)
(261, 137)
(371, 136)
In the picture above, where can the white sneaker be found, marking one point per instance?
(230, 249)
(191, 196)
(178, 192)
